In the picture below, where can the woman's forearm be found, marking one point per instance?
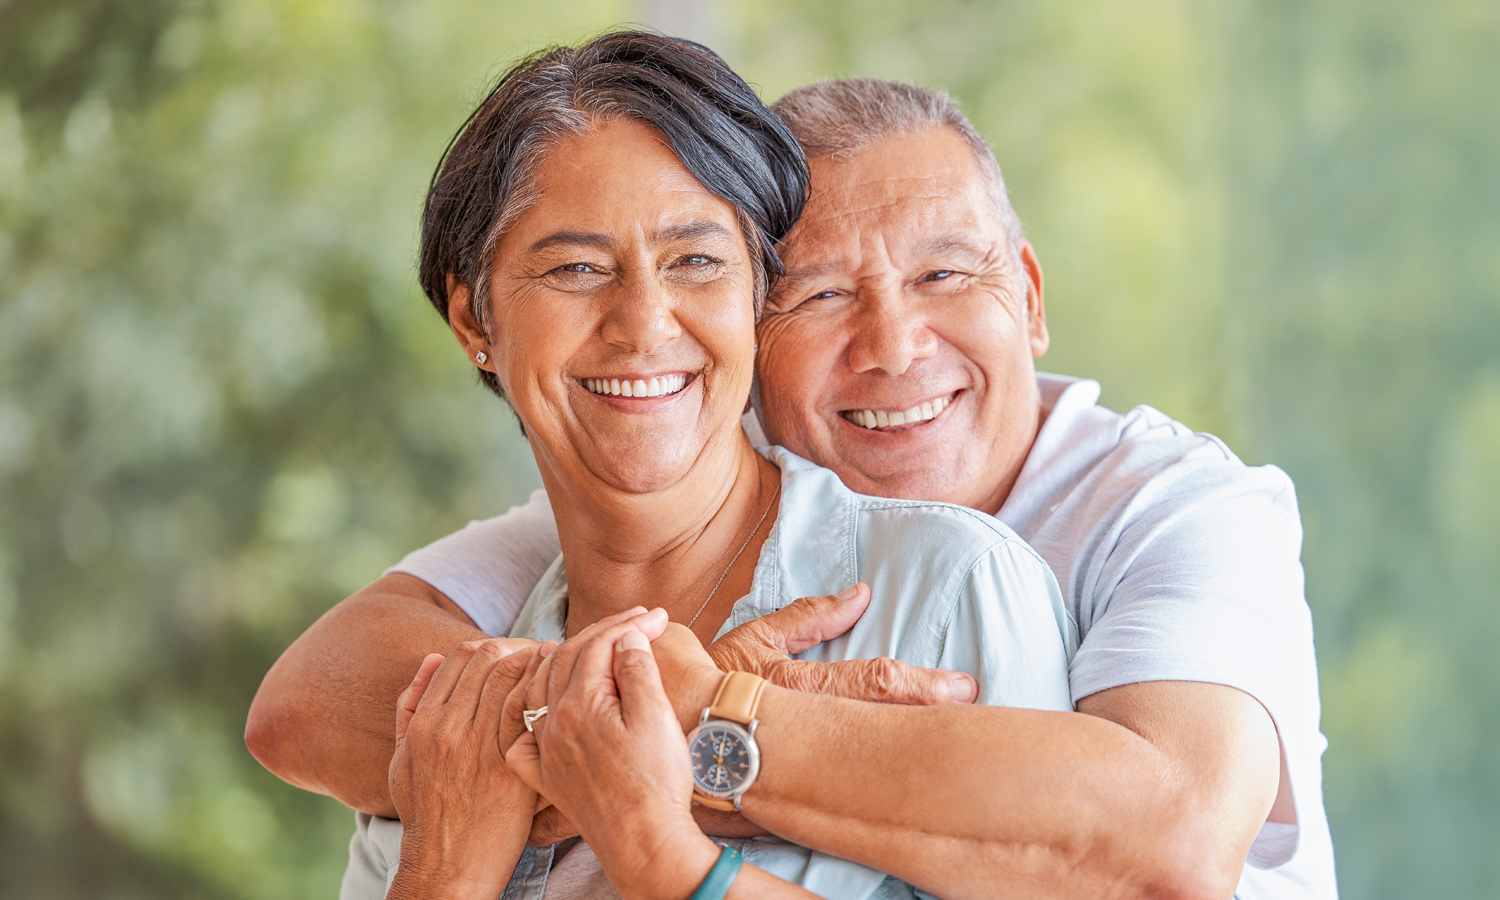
(431, 876)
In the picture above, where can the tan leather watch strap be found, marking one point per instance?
(714, 803)
(738, 697)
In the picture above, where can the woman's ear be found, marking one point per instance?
(461, 319)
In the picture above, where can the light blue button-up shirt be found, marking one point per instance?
(951, 588)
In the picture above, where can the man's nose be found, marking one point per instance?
(641, 317)
(889, 333)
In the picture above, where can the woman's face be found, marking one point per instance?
(626, 276)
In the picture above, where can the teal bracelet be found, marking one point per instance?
(718, 880)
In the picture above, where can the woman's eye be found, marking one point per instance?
(696, 260)
(572, 268)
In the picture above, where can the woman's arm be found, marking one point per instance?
(609, 753)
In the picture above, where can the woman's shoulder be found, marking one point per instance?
(928, 532)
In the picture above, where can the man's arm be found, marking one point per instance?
(324, 717)
(1152, 790)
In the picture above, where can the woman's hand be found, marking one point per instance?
(465, 816)
(611, 756)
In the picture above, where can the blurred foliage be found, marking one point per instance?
(224, 404)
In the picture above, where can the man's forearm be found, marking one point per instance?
(324, 718)
(986, 801)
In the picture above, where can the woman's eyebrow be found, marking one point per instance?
(684, 231)
(689, 230)
(573, 239)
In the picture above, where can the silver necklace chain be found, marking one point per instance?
(736, 559)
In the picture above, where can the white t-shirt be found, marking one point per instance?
(1177, 561)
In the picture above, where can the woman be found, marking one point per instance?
(600, 238)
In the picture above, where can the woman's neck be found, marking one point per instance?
(668, 548)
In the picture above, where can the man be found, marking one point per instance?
(898, 351)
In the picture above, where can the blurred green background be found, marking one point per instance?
(224, 404)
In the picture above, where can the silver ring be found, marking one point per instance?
(529, 717)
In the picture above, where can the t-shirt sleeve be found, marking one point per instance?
(1207, 586)
(1011, 630)
(1192, 591)
(489, 567)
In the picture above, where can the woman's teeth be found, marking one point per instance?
(640, 387)
(880, 418)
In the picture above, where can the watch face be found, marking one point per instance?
(725, 758)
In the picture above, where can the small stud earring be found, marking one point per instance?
(481, 357)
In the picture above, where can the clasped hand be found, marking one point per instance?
(472, 785)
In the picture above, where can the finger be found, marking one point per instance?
(809, 621)
(882, 680)
(607, 621)
(591, 683)
(503, 678)
(406, 704)
(512, 725)
(586, 663)
(651, 623)
(524, 760)
(638, 681)
(476, 674)
(448, 674)
(536, 691)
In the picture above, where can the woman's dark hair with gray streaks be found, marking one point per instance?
(712, 121)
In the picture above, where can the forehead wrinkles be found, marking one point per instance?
(875, 223)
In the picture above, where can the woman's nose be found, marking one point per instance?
(889, 333)
(641, 317)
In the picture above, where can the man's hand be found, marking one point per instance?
(764, 646)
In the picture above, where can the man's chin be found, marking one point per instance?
(919, 481)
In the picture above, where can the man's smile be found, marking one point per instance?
(894, 419)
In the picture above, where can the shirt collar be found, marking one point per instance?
(809, 552)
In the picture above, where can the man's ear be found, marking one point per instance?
(1036, 311)
(461, 320)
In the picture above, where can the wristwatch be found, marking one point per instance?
(722, 748)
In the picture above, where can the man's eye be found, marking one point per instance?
(938, 275)
(575, 268)
(824, 295)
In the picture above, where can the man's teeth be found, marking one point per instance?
(640, 387)
(880, 418)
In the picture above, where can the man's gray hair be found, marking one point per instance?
(840, 117)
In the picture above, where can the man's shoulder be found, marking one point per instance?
(1092, 461)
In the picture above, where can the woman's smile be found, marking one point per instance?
(638, 386)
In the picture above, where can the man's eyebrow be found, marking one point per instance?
(943, 244)
(807, 273)
(938, 245)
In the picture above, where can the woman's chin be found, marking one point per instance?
(640, 476)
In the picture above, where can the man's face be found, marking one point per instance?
(902, 294)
